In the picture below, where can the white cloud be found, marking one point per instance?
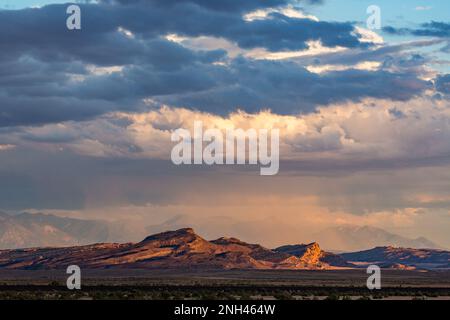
(98, 71)
(288, 11)
(126, 32)
(314, 48)
(423, 8)
(368, 36)
(366, 65)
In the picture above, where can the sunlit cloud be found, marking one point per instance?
(4, 147)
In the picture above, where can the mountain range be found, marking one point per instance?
(336, 239)
(401, 258)
(45, 230)
(353, 238)
(184, 249)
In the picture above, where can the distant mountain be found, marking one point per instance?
(173, 249)
(351, 238)
(401, 257)
(44, 230)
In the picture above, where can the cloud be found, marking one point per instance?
(392, 53)
(43, 91)
(286, 88)
(116, 62)
(288, 11)
(372, 134)
(4, 147)
(443, 83)
(100, 23)
(429, 29)
(224, 5)
(423, 8)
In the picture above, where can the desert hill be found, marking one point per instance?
(184, 249)
(172, 249)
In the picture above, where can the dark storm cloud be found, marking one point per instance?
(45, 69)
(443, 83)
(287, 88)
(36, 179)
(42, 180)
(222, 5)
(43, 31)
(280, 33)
(17, 111)
(429, 29)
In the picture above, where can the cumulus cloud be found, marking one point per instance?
(370, 134)
(116, 61)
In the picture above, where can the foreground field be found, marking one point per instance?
(228, 285)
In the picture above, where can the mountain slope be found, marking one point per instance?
(352, 238)
(173, 249)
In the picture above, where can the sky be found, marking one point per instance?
(86, 115)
